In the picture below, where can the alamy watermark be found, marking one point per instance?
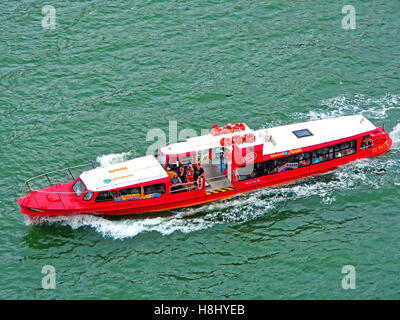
(49, 280)
(49, 19)
(349, 20)
(349, 280)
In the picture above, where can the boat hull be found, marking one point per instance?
(199, 197)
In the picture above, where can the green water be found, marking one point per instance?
(91, 89)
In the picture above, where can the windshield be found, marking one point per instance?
(79, 188)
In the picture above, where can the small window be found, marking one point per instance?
(88, 196)
(302, 133)
(172, 163)
(186, 159)
(345, 149)
(300, 160)
(276, 166)
(125, 192)
(251, 171)
(155, 188)
(78, 188)
(322, 155)
(106, 196)
(366, 143)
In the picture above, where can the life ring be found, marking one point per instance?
(228, 155)
(226, 130)
(237, 140)
(249, 137)
(216, 131)
(235, 175)
(200, 183)
(225, 142)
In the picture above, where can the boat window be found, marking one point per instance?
(203, 156)
(251, 171)
(106, 196)
(345, 149)
(88, 196)
(79, 188)
(302, 133)
(300, 160)
(125, 192)
(321, 155)
(263, 168)
(366, 142)
(187, 159)
(155, 188)
(276, 165)
(172, 163)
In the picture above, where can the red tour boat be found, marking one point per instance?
(233, 159)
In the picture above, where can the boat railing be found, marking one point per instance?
(183, 187)
(48, 178)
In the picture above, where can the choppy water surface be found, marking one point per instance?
(91, 89)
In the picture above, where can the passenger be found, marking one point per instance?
(176, 181)
(304, 163)
(182, 174)
(317, 160)
(348, 151)
(198, 172)
(367, 142)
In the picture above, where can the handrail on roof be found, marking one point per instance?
(46, 175)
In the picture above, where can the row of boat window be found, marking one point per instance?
(297, 161)
(147, 190)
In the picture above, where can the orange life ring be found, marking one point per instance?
(228, 155)
(249, 137)
(237, 139)
(216, 131)
(226, 130)
(200, 183)
(225, 142)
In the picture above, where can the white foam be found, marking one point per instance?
(107, 159)
(395, 135)
(127, 228)
(374, 108)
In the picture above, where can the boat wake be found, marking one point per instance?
(374, 109)
(107, 159)
(363, 173)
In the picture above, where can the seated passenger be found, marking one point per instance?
(367, 142)
(317, 160)
(304, 163)
(348, 151)
(176, 181)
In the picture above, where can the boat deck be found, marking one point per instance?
(214, 178)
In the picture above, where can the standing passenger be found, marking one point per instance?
(182, 174)
(198, 172)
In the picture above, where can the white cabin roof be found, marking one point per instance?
(324, 130)
(200, 143)
(123, 174)
(282, 138)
